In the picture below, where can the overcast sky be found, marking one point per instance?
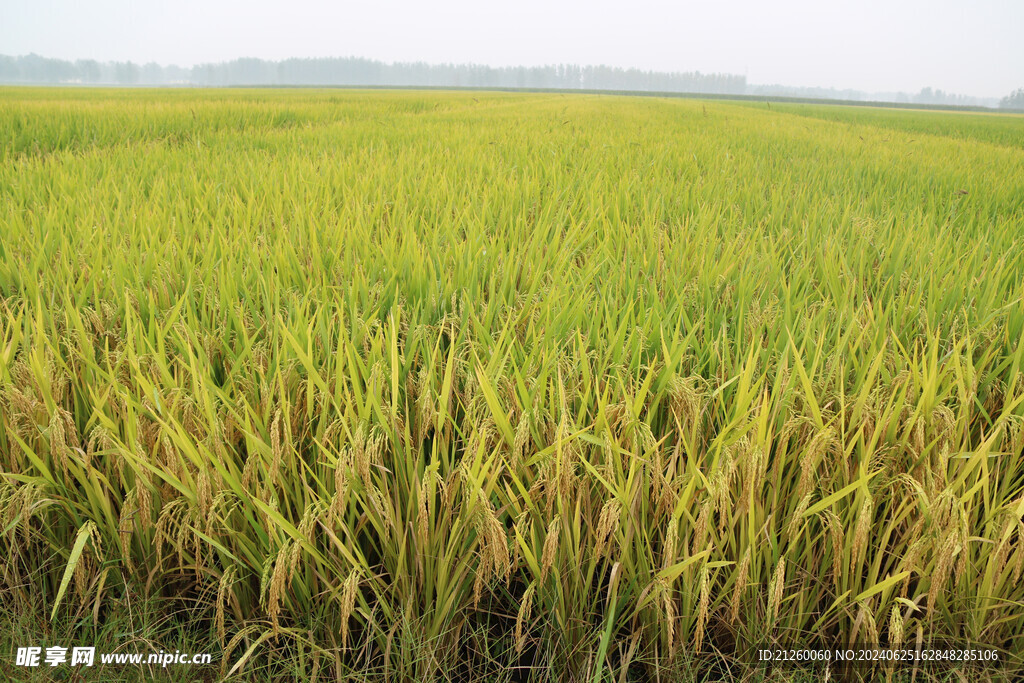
(971, 47)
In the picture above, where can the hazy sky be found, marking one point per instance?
(972, 47)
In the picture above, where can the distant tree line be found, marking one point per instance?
(355, 71)
(929, 96)
(925, 96)
(35, 69)
(1014, 100)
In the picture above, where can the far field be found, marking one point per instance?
(471, 386)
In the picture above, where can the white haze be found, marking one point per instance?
(973, 48)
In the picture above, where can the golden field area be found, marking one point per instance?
(403, 386)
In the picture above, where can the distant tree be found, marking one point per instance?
(1014, 100)
(89, 70)
(152, 74)
(10, 69)
(36, 69)
(126, 73)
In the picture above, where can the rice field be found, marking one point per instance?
(417, 386)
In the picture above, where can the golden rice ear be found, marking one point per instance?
(703, 606)
(63, 439)
(870, 627)
(669, 556)
(276, 450)
(349, 594)
(125, 527)
(522, 437)
(607, 525)
(550, 550)
(523, 616)
(895, 628)
(700, 530)
(837, 537)
(865, 517)
(280, 577)
(669, 615)
(224, 588)
(947, 551)
(742, 574)
(204, 494)
(796, 522)
(777, 588)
